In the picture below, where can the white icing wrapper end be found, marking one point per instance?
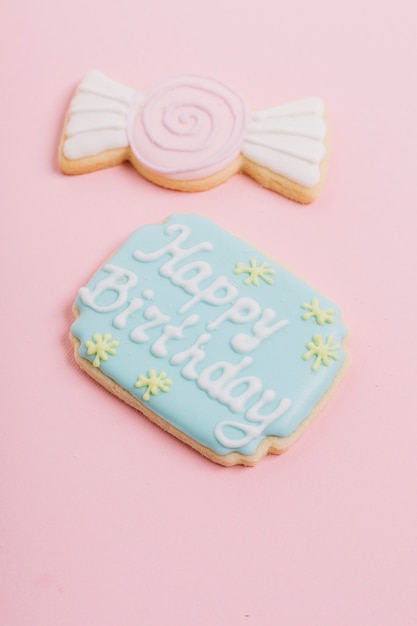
(289, 140)
(97, 117)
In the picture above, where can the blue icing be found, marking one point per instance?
(143, 274)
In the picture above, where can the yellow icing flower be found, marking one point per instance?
(154, 383)
(322, 316)
(322, 351)
(255, 272)
(101, 346)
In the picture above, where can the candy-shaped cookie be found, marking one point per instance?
(210, 339)
(192, 133)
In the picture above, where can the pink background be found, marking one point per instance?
(105, 519)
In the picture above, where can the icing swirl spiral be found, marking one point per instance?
(187, 127)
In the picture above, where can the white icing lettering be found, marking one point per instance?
(195, 354)
(120, 319)
(242, 311)
(251, 431)
(227, 372)
(241, 342)
(201, 271)
(156, 317)
(159, 348)
(208, 295)
(267, 397)
(221, 387)
(236, 403)
(173, 248)
(119, 281)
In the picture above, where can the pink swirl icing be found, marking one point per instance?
(187, 127)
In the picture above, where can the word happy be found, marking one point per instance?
(222, 380)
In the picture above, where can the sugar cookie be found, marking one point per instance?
(191, 133)
(210, 339)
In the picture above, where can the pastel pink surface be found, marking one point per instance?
(107, 520)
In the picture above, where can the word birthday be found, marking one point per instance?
(222, 380)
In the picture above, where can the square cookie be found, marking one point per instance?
(210, 339)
